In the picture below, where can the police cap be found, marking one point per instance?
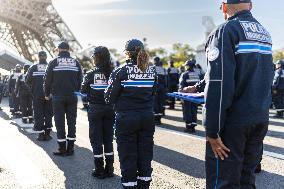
(63, 45)
(190, 63)
(236, 1)
(133, 44)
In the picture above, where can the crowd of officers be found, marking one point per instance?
(131, 99)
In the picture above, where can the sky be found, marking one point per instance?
(162, 22)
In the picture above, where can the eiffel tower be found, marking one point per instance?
(29, 26)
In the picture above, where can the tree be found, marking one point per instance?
(160, 52)
(278, 55)
(181, 53)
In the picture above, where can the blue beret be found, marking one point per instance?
(236, 1)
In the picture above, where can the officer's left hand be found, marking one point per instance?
(218, 148)
(47, 98)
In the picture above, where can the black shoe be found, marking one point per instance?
(60, 153)
(31, 120)
(70, 148)
(109, 169)
(99, 171)
(25, 120)
(189, 129)
(61, 150)
(47, 134)
(41, 137)
(258, 169)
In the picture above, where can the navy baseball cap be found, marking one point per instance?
(42, 53)
(132, 44)
(236, 1)
(63, 45)
(190, 63)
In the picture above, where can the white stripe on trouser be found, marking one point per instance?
(25, 117)
(61, 140)
(73, 139)
(109, 154)
(129, 183)
(144, 178)
(98, 156)
(30, 117)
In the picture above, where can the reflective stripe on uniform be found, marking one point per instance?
(109, 154)
(253, 47)
(61, 140)
(132, 83)
(98, 156)
(129, 183)
(68, 138)
(144, 178)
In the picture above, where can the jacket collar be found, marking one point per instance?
(241, 14)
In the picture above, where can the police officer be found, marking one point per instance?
(100, 114)
(63, 78)
(42, 108)
(160, 95)
(189, 109)
(278, 89)
(131, 89)
(13, 99)
(173, 80)
(238, 96)
(23, 91)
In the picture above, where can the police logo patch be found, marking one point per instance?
(213, 53)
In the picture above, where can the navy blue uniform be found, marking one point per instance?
(63, 78)
(24, 92)
(131, 91)
(237, 98)
(189, 109)
(100, 116)
(173, 80)
(278, 91)
(14, 101)
(160, 95)
(42, 108)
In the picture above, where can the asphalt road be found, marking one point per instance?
(178, 157)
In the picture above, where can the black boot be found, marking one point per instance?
(31, 120)
(47, 134)
(189, 128)
(99, 171)
(61, 150)
(109, 169)
(279, 114)
(41, 137)
(158, 120)
(70, 147)
(24, 120)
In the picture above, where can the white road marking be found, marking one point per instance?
(267, 153)
(25, 171)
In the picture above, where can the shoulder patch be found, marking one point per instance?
(212, 53)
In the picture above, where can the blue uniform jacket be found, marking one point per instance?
(278, 81)
(94, 85)
(63, 76)
(239, 76)
(130, 88)
(173, 77)
(34, 79)
(189, 78)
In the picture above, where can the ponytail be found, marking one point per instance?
(143, 60)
